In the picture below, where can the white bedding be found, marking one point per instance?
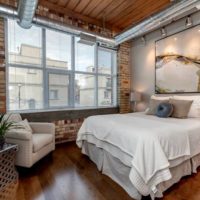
(146, 143)
(119, 172)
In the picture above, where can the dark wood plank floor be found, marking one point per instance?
(69, 175)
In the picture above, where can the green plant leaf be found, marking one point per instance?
(6, 125)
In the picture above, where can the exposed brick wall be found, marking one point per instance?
(61, 17)
(65, 19)
(66, 130)
(2, 69)
(124, 78)
(12, 3)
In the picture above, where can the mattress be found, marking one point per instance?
(150, 151)
(117, 171)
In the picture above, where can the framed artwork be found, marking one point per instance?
(178, 63)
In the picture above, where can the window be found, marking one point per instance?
(24, 45)
(24, 88)
(85, 90)
(104, 61)
(58, 50)
(84, 56)
(105, 91)
(49, 69)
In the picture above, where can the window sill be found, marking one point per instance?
(64, 114)
(57, 109)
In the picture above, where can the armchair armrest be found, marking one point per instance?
(39, 127)
(19, 134)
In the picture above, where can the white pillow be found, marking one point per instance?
(195, 107)
(161, 97)
(13, 117)
(25, 125)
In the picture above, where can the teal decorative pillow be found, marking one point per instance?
(153, 104)
(164, 110)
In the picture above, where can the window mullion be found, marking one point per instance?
(112, 78)
(72, 74)
(45, 74)
(96, 74)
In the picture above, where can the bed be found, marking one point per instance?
(142, 153)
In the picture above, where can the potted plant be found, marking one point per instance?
(5, 126)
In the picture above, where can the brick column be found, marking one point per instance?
(124, 79)
(2, 69)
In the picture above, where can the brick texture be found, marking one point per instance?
(63, 18)
(124, 79)
(66, 129)
(45, 12)
(2, 69)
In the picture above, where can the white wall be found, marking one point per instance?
(143, 60)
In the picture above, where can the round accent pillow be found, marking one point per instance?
(164, 110)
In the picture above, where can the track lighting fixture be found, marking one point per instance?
(163, 32)
(143, 39)
(188, 22)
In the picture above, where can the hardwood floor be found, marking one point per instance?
(69, 175)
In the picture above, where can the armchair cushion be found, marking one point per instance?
(40, 140)
(38, 127)
(20, 134)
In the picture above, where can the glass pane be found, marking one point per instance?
(58, 50)
(58, 90)
(114, 89)
(84, 90)
(114, 54)
(104, 91)
(84, 57)
(104, 61)
(24, 45)
(25, 89)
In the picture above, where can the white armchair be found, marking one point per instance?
(32, 146)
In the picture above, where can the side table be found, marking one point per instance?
(8, 173)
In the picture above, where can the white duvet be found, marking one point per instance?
(151, 144)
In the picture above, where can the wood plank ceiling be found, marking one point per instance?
(117, 15)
